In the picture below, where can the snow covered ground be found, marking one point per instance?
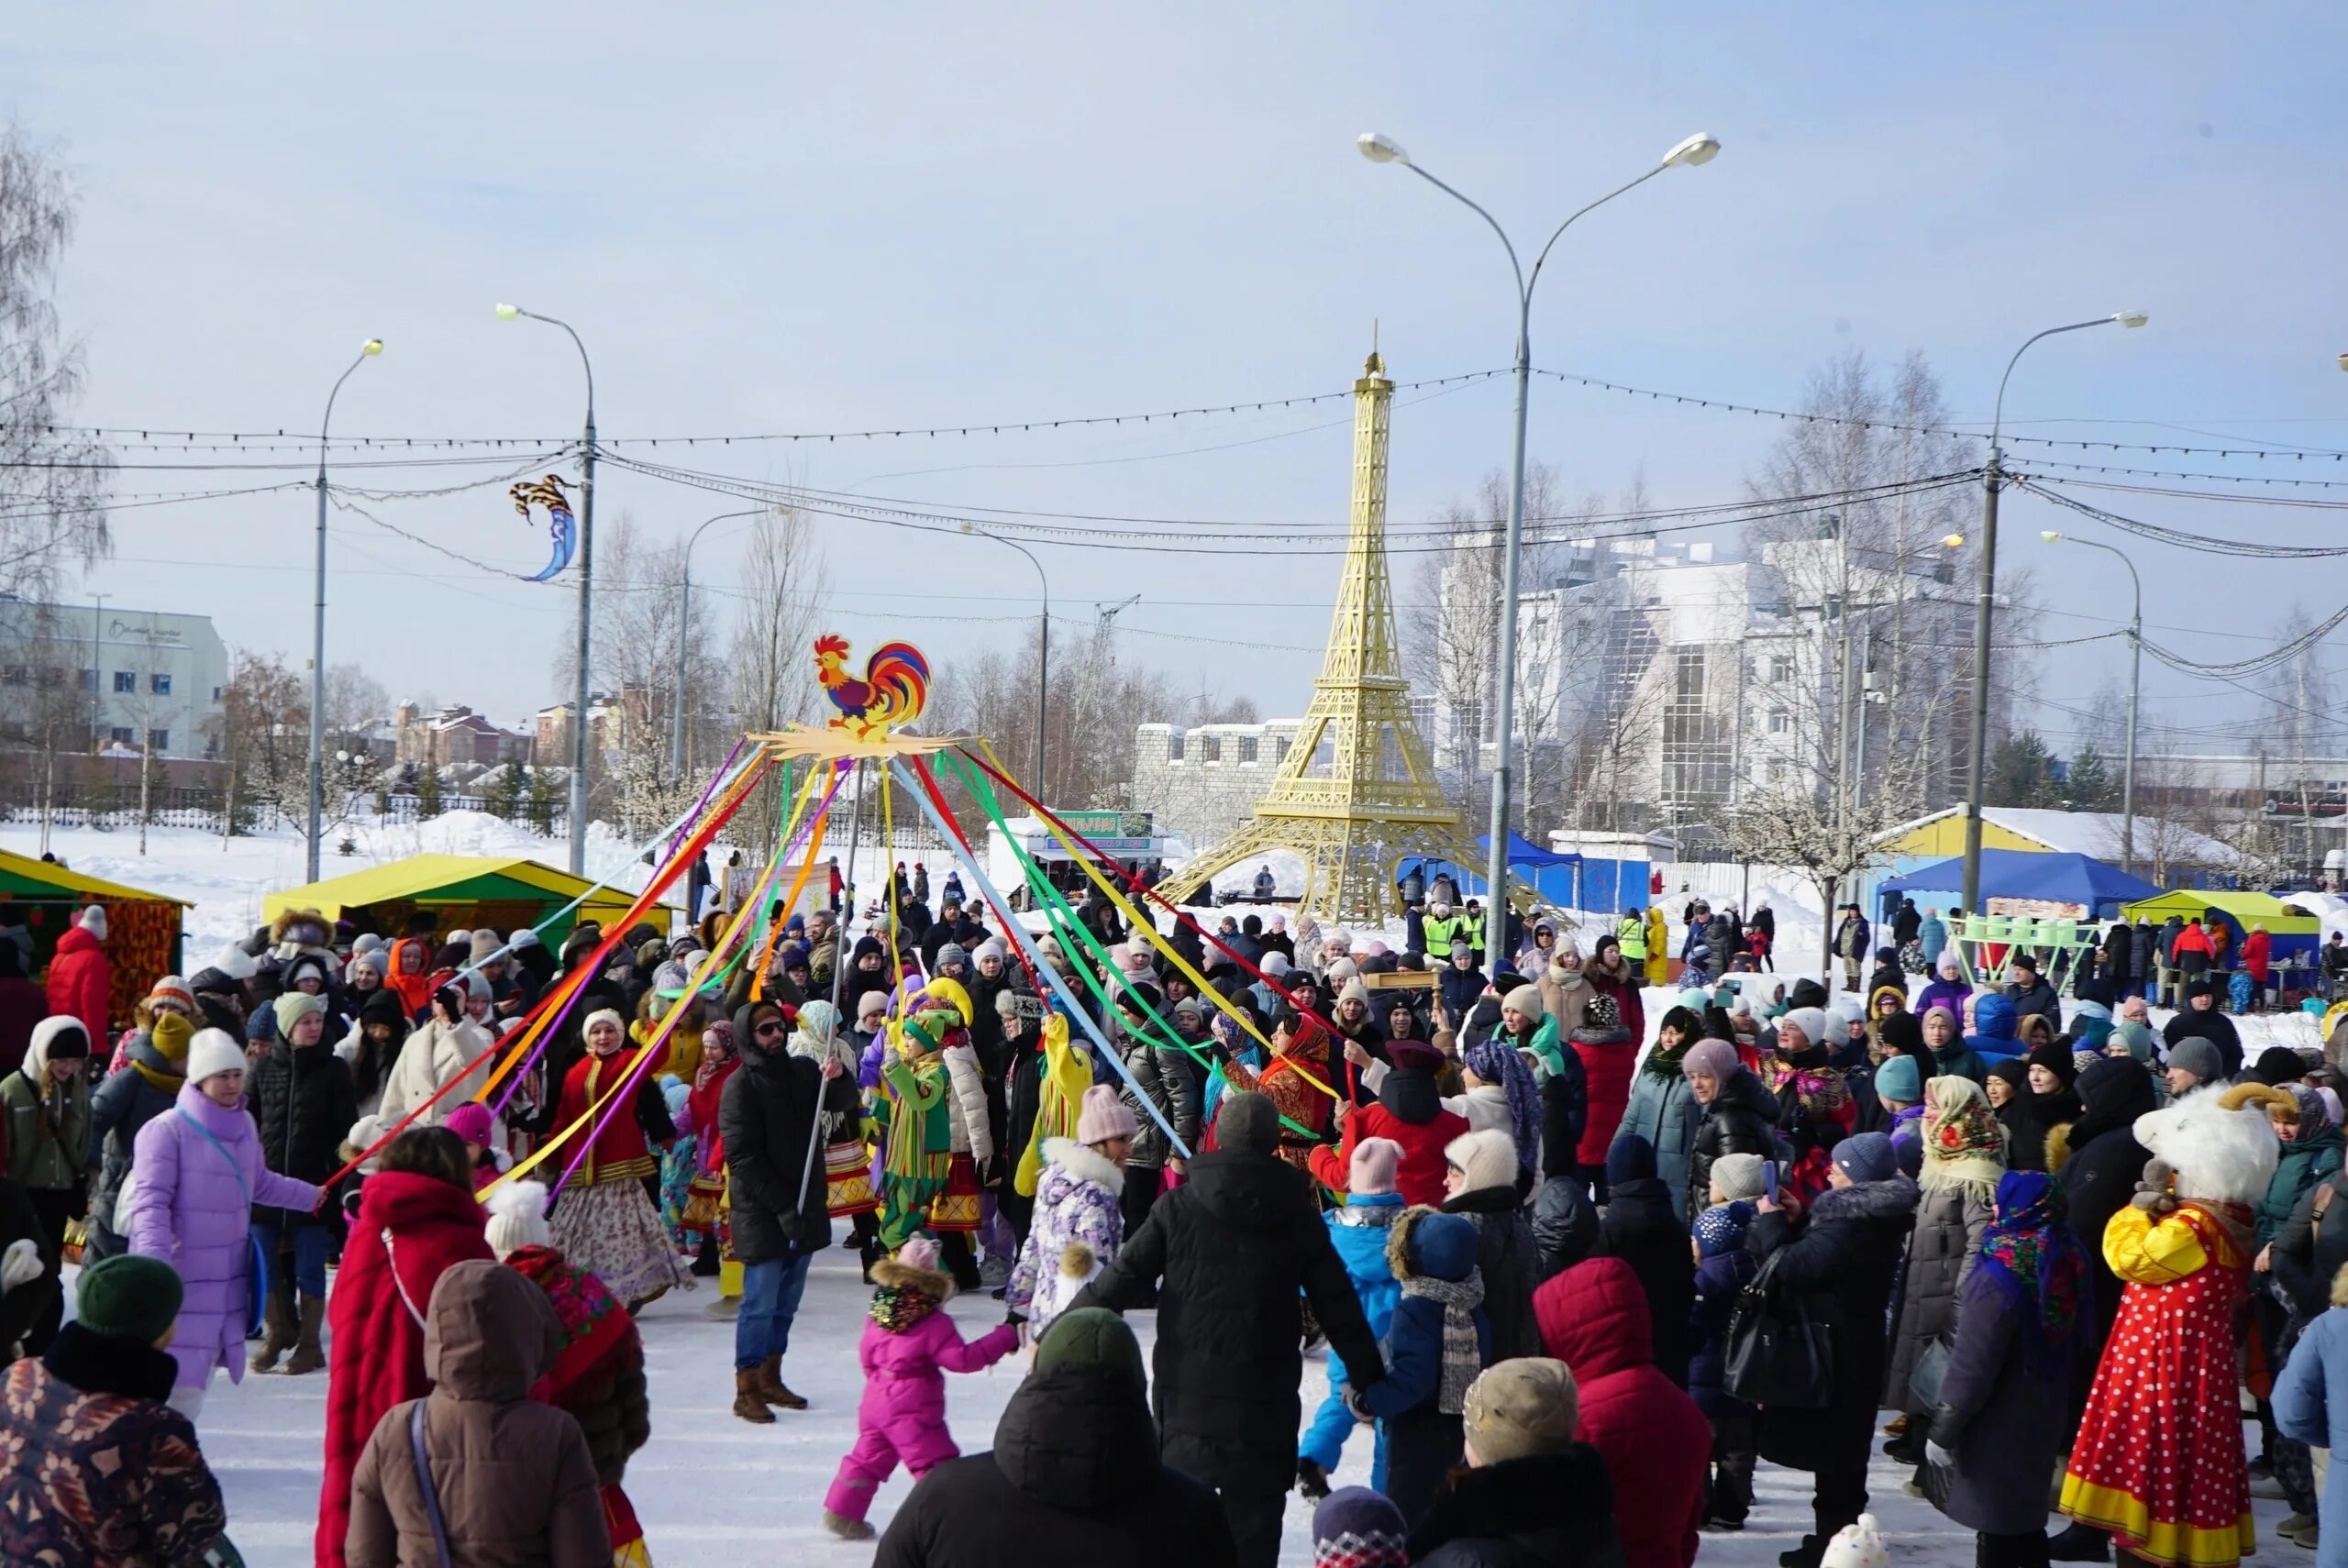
(714, 1492)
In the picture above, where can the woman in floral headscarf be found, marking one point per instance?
(2001, 1414)
(1965, 1159)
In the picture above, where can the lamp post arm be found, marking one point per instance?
(584, 363)
(1619, 190)
(326, 420)
(1524, 292)
(1997, 413)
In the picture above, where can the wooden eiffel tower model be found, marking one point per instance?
(1356, 792)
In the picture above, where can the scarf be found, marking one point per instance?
(897, 1307)
(2035, 1261)
(596, 1330)
(1463, 1356)
(1497, 1063)
(1966, 1145)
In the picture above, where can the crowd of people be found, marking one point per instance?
(1577, 1276)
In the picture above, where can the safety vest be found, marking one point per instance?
(1632, 935)
(1441, 933)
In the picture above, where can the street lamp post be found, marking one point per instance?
(1044, 660)
(586, 596)
(1694, 151)
(2135, 686)
(1992, 477)
(684, 611)
(367, 350)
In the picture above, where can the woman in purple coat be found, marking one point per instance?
(196, 1173)
(1949, 990)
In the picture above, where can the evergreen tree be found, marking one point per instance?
(2022, 772)
(506, 792)
(2090, 785)
(543, 799)
(427, 792)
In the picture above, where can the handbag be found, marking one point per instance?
(259, 1281)
(1925, 1377)
(423, 1483)
(1776, 1353)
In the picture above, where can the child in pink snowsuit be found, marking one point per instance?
(908, 1345)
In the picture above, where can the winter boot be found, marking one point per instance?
(747, 1403)
(277, 1317)
(1806, 1555)
(845, 1527)
(704, 1263)
(772, 1390)
(725, 1308)
(2079, 1544)
(307, 1356)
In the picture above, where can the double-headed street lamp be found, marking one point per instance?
(684, 627)
(2135, 686)
(586, 596)
(1044, 652)
(1694, 151)
(367, 350)
(1992, 477)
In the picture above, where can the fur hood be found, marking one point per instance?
(933, 1283)
(2217, 1141)
(1890, 1200)
(1084, 1163)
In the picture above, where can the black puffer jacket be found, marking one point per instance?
(1742, 1120)
(1565, 1225)
(1074, 1477)
(1505, 1254)
(1234, 1245)
(1556, 1510)
(767, 1117)
(1843, 1263)
(304, 1104)
(1640, 1228)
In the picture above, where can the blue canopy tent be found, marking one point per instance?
(1553, 875)
(2081, 880)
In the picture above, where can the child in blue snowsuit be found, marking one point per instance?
(1358, 1232)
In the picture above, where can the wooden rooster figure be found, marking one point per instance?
(893, 691)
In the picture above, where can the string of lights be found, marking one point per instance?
(2239, 449)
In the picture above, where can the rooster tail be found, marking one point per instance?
(899, 676)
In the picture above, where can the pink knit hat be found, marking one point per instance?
(919, 1252)
(470, 1121)
(1103, 1116)
(1372, 1172)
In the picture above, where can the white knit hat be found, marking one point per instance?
(517, 1218)
(1856, 1545)
(1482, 1159)
(93, 921)
(214, 1050)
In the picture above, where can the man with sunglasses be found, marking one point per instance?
(768, 1119)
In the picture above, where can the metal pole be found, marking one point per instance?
(1044, 653)
(2128, 772)
(1504, 677)
(1970, 897)
(676, 698)
(586, 634)
(1992, 475)
(373, 347)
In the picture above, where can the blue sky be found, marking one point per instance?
(766, 217)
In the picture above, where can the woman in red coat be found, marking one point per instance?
(1409, 1109)
(81, 976)
(416, 1217)
(2257, 958)
(1652, 1437)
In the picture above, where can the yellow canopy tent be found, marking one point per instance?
(143, 941)
(469, 890)
(2243, 910)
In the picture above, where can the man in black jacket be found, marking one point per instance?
(1234, 1246)
(768, 1119)
(1075, 1474)
(2030, 994)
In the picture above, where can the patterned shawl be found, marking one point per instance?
(599, 1338)
(1462, 1349)
(2035, 1260)
(1494, 1061)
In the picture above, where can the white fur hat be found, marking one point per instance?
(517, 1218)
(214, 1050)
(1856, 1545)
(93, 921)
